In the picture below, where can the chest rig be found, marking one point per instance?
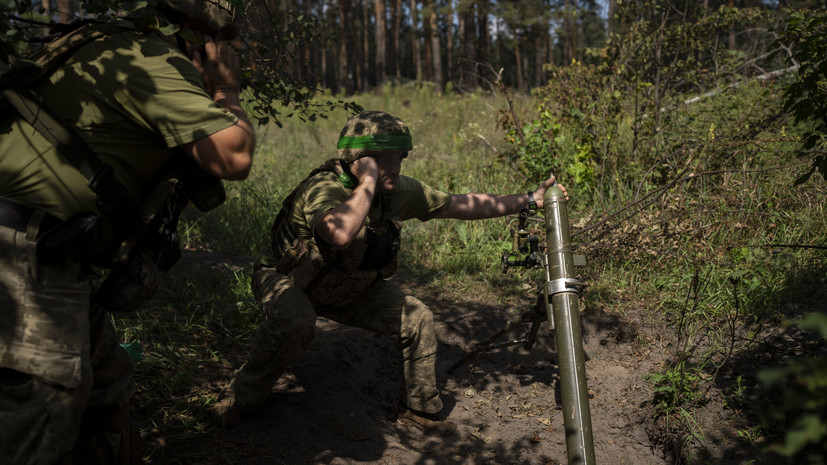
(332, 278)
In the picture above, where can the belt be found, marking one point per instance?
(16, 216)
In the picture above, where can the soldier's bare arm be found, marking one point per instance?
(480, 206)
(339, 226)
(228, 153)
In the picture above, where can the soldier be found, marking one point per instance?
(333, 244)
(135, 101)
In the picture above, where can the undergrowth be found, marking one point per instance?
(696, 210)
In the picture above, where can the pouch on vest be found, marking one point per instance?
(335, 278)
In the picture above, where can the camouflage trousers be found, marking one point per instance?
(289, 326)
(62, 371)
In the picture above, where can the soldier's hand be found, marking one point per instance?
(219, 65)
(540, 193)
(365, 168)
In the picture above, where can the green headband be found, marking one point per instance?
(383, 142)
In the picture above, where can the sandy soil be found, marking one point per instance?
(337, 404)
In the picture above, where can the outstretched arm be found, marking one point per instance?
(480, 206)
(228, 153)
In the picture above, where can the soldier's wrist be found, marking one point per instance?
(532, 204)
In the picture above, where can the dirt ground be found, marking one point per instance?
(337, 404)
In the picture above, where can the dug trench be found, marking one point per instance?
(337, 403)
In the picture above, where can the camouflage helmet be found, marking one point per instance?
(218, 15)
(371, 131)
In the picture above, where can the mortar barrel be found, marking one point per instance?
(566, 313)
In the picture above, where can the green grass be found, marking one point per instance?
(701, 259)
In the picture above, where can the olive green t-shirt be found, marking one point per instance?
(132, 98)
(411, 199)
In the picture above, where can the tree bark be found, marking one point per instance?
(379, 9)
(612, 29)
(65, 11)
(359, 53)
(396, 20)
(467, 49)
(449, 43)
(539, 54)
(344, 69)
(435, 48)
(732, 43)
(415, 52)
(427, 53)
(519, 62)
(483, 39)
(365, 45)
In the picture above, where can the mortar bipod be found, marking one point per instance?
(535, 316)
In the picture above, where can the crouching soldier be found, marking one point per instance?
(333, 245)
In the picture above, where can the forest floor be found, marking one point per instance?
(337, 403)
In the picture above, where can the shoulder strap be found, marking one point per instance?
(113, 198)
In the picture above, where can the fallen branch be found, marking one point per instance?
(782, 246)
(762, 77)
(653, 196)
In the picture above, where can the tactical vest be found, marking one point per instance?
(332, 278)
(133, 238)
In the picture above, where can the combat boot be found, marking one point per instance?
(429, 423)
(227, 411)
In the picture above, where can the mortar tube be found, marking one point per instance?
(566, 313)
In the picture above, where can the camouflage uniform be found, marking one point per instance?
(283, 281)
(53, 347)
(65, 382)
(289, 326)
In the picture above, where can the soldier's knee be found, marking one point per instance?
(417, 313)
(295, 332)
(417, 324)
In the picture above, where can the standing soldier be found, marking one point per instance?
(333, 244)
(83, 164)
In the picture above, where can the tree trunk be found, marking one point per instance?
(380, 40)
(449, 43)
(344, 71)
(415, 53)
(539, 54)
(427, 58)
(396, 19)
(519, 62)
(325, 81)
(705, 11)
(307, 67)
(359, 53)
(65, 11)
(435, 48)
(483, 40)
(365, 45)
(570, 28)
(612, 20)
(732, 43)
(467, 41)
